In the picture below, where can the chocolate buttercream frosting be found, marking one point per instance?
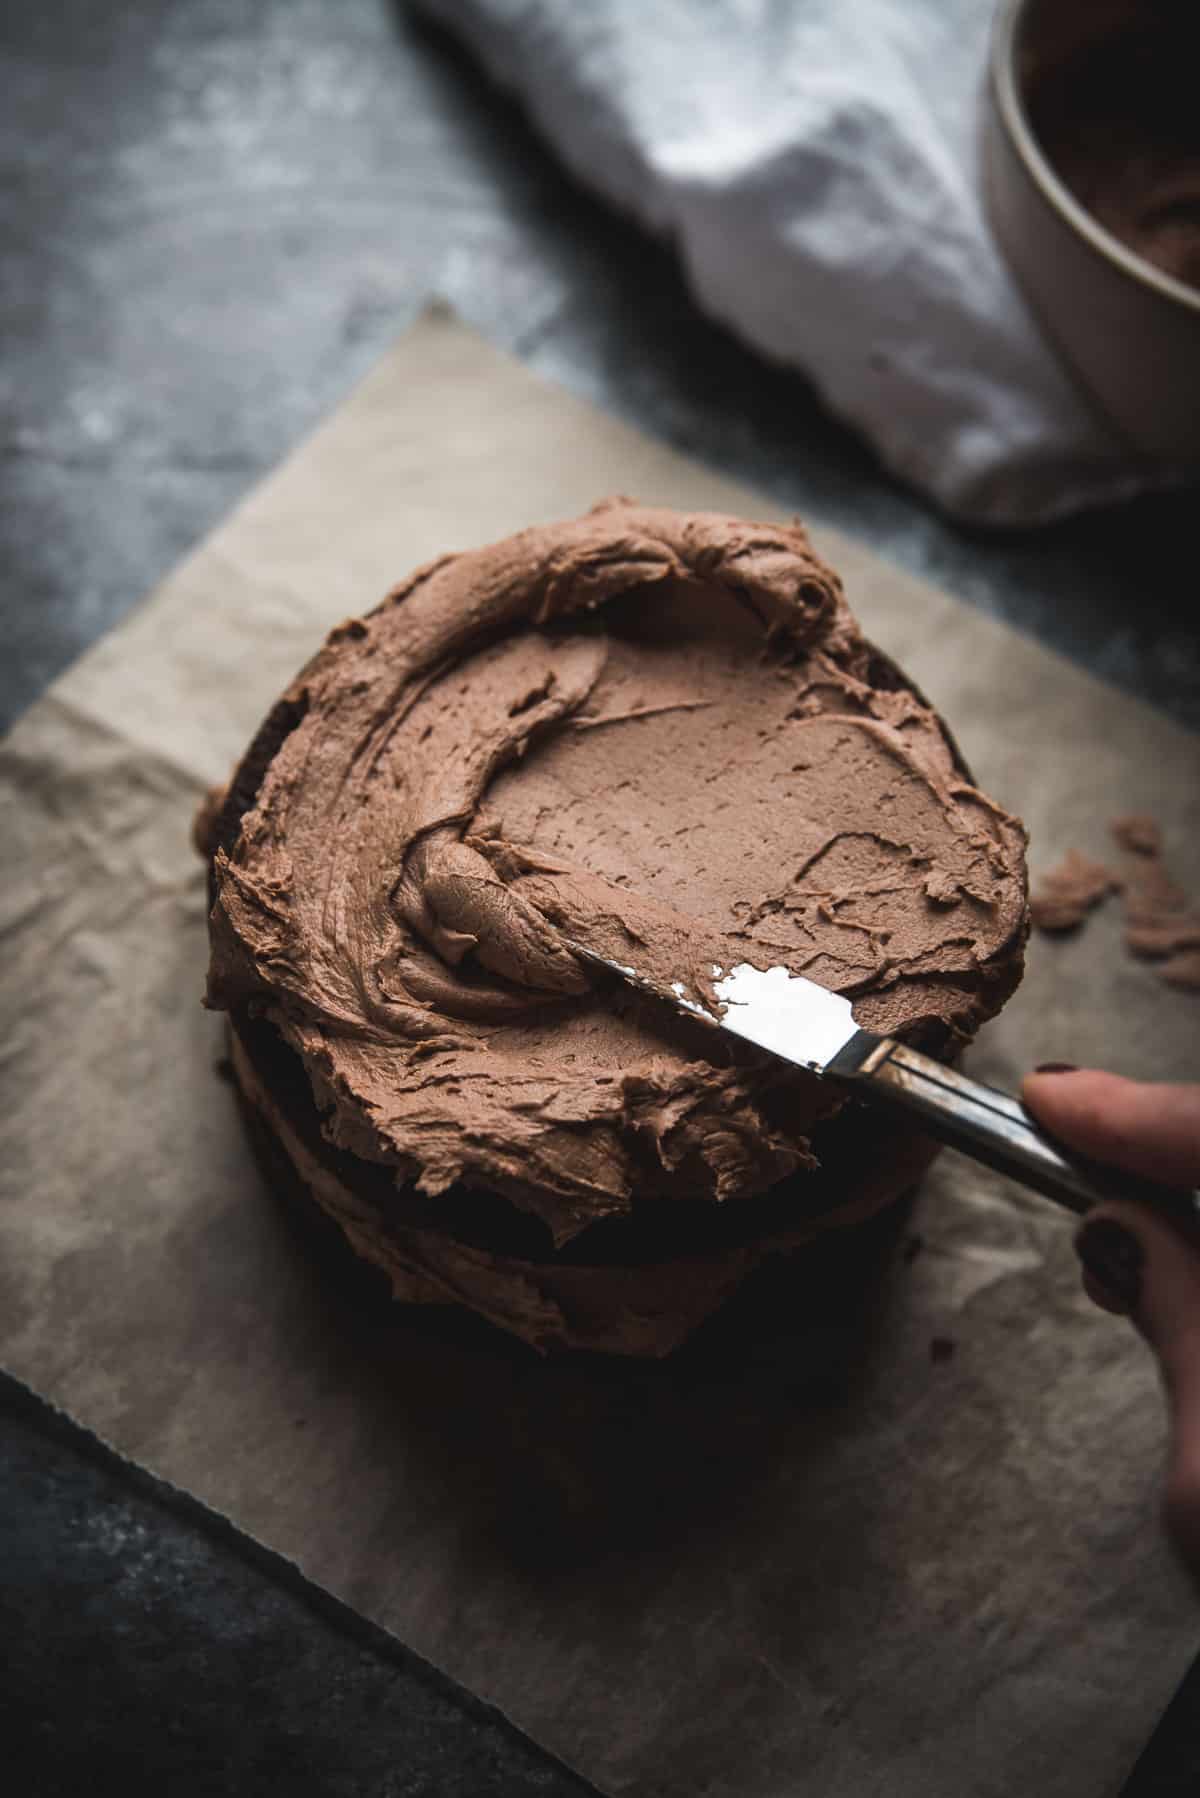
(655, 734)
(1161, 923)
(1064, 897)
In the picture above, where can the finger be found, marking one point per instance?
(1181, 1496)
(1136, 1262)
(1148, 1130)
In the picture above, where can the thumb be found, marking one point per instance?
(1136, 1263)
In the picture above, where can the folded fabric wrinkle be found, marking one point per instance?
(825, 198)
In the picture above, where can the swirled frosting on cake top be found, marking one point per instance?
(663, 736)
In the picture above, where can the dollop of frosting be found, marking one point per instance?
(661, 736)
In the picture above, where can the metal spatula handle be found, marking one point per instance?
(992, 1127)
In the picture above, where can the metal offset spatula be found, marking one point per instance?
(804, 1024)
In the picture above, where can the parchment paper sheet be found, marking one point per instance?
(801, 1557)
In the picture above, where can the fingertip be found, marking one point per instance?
(1141, 1128)
(1059, 1095)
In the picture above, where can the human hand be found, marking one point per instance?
(1135, 1263)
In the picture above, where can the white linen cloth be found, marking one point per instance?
(816, 163)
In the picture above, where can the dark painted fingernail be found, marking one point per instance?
(1113, 1257)
(1056, 1067)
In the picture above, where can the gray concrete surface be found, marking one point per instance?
(220, 212)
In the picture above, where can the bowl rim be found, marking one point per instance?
(1011, 108)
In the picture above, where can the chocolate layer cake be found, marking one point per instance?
(641, 731)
